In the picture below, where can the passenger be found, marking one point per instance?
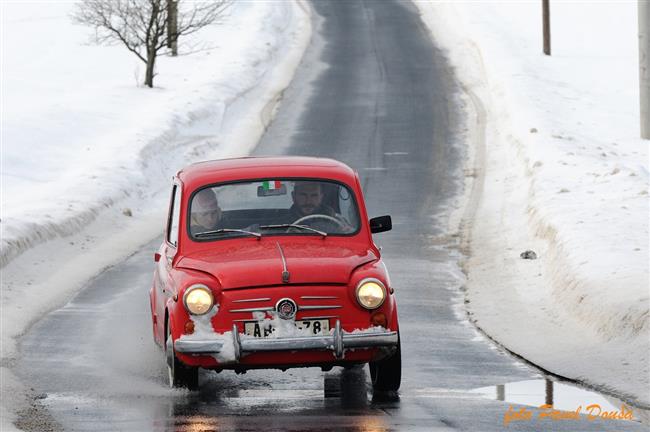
(206, 213)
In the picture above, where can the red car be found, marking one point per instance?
(270, 263)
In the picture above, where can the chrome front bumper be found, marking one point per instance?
(336, 342)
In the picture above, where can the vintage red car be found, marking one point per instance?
(270, 263)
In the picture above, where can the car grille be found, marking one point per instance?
(310, 306)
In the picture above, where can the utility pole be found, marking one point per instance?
(548, 399)
(546, 26)
(644, 66)
(172, 26)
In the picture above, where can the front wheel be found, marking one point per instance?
(386, 374)
(180, 375)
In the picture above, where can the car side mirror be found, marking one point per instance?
(381, 224)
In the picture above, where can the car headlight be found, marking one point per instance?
(198, 299)
(371, 293)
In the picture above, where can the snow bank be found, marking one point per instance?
(88, 155)
(79, 136)
(561, 171)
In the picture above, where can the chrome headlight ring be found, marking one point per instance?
(371, 283)
(208, 296)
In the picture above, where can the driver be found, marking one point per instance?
(308, 200)
(206, 213)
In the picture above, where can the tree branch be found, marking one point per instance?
(141, 25)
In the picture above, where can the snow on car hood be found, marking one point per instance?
(260, 263)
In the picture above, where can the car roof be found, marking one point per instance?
(225, 170)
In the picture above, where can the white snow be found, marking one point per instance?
(82, 142)
(202, 326)
(203, 330)
(560, 169)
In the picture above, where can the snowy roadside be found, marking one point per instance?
(559, 170)
(83, 147)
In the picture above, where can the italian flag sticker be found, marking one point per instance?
(272, 184)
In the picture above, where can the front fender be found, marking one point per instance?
(176, 314)
(376, 270)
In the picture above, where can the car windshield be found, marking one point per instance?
(273, 206)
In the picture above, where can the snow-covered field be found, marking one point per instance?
(560, 170)
(87, 153)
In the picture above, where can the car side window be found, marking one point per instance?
(174, 216)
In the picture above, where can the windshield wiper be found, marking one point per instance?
(227, 230)
(305, 227)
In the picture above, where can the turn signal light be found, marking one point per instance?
(189, 327)
(379, 319)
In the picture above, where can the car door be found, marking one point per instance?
(164, 283)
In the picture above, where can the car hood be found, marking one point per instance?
(260, 263)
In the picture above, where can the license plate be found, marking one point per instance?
(314, 327)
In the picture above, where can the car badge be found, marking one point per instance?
(286, 308)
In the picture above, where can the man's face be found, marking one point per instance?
(207, 211)
(307, 198)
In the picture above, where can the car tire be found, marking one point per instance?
(386, 374)
(180, 375)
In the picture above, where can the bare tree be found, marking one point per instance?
(142, 26)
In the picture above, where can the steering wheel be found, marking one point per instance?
(320, 216)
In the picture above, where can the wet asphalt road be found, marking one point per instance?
(373, 92)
